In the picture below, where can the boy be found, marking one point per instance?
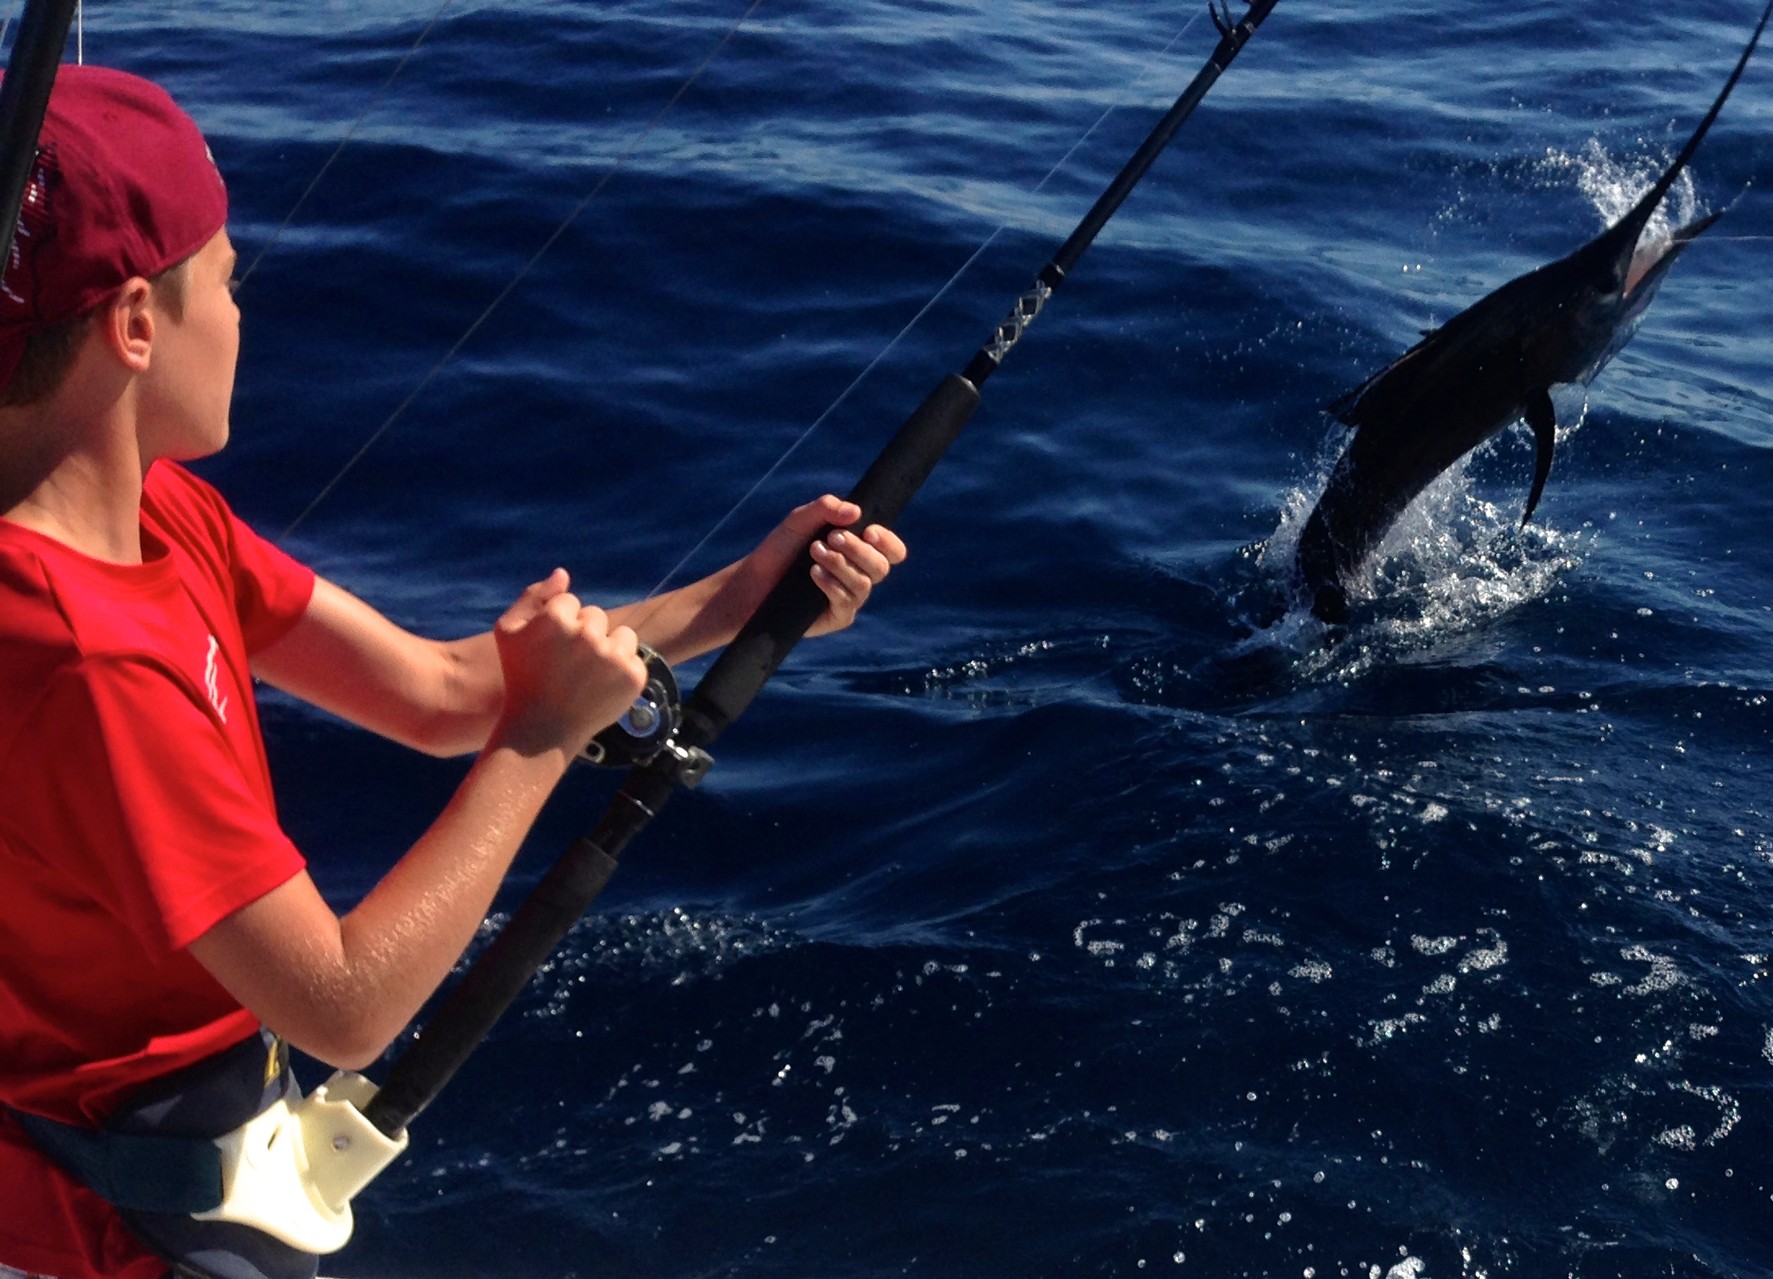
(152, 912)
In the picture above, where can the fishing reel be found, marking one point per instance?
(647, 727)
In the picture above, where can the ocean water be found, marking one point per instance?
(1067, 916)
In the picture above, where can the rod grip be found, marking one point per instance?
(491, 984)
(796, 602)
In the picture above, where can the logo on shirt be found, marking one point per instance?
(212, 680)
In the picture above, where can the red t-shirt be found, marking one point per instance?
(136, 813)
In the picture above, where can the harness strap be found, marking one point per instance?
(136, 1171)
(158, 1163)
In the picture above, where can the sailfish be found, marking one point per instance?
(1492, 364)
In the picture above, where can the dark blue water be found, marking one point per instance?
(1056, 920)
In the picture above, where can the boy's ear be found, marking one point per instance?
(127, 324)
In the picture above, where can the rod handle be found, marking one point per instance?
(796, 602)
(490, 985)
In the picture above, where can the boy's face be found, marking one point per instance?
(192, 369)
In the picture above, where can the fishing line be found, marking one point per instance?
(79, 31)
(344, 142)
(524, 270)
(911, 324)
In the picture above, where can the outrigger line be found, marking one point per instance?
(500, 973)
(522, 271)
(337, 151)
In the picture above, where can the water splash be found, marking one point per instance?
(1454, 562)
(1614, 185)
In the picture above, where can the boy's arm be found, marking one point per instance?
(846, 565)
(533, 691)
(342, 988)
(443, 697)
(438, 696)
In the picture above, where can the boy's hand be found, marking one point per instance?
(847, 563)
(568, 673)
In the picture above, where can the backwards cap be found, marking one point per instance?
(123, 185)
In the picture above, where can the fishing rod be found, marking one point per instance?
(496, 978)
(24, 98)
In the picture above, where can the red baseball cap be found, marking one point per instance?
(123, 185)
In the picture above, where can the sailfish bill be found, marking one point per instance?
(1492, 364)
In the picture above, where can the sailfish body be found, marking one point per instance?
(1492, 364)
